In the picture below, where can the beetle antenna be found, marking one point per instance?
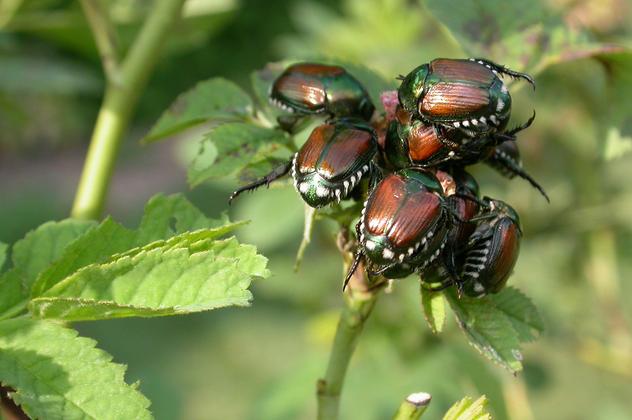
(400, 77)
(356, 260)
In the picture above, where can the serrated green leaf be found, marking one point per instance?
(488, 329)
(213, 99)
(164, 217)
(196, 276)
(466, 409)
(58, 375)
(40, 247)
(261, 81)
(230, 148)
(433, 305)
(522, 313)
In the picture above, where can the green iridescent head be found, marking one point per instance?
(411, 88)
(427, 179)
(503, 209)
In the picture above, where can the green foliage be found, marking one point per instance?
(212, 99)
(3, 254)
(532, 37)
(58, 375)
(496, 325)
(467, 409)
(433, 304)
(232, 148)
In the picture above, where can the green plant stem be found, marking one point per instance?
(118, 105)
(413, 407)
(358, 304)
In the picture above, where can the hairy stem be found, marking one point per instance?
(117, 108)
(358, 304)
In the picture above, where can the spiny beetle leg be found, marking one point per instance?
(276, 173)
(514, 169)
(505, 70)
(471, 197)
(356, 260)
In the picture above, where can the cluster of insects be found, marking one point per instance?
(422, 211)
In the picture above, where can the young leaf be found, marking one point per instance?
(466, 409)
(433, 305)
(213, 99)
(12, 294)
(191, 276)
(521, 312)
(164, 217)
(488, 330)
(232, 147)
(58, 375)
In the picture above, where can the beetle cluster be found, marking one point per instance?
(422, 212)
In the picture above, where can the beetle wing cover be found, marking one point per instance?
(401, 213)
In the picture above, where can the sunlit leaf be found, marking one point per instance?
(181, 276)
(467, 409)
(58, 375)
(213, 99)
(164, 217)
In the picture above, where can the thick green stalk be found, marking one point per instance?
(118, 106)
(358, 304)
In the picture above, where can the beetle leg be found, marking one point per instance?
(356, 260)
(513, 169)
(511, 134)
(266, 180)
(504, 70)
(471, 198)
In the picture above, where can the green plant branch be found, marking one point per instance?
(413, 407)
(359, 301)
(104, 34)
(117, 108)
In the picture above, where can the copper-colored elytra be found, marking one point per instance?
(418, 214)
(423, 142)
(311, 151)
(465, 70)
(391, 191)
(466, 209)
(400, 215)
(348, 145)
(507, 254)
(297, 88)
(454, 100)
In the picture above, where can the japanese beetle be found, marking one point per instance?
(492, 250)
(412, 142)
(404, 223)
(488, 257)
(310, 88)
(330, 165)
(459, 93)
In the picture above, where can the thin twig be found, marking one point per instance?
(105, 38)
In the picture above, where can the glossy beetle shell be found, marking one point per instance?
(401, 217)
(332, 161)
(310, 88)
(457, 93)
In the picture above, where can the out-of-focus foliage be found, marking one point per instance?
(575, 256)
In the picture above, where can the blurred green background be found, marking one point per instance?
(262, 362)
